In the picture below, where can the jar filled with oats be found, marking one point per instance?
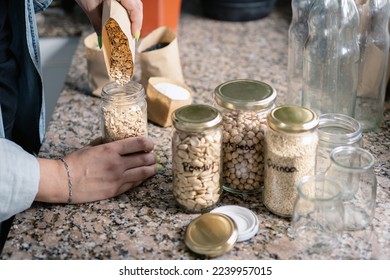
(123, 111)
(290, 153)
(196, 157)
(244, 105)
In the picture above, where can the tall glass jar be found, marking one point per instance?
(374, 52)
(331, 57)
(297, 36)
(290, 153)
(123, 111)
(197, 157)
(336, 130)
(244, 105)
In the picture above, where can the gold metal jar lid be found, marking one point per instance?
(196, 117)
(211, 234)
(292, 118)
(245, 94)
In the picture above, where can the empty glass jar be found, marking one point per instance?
(318, 215)
(353, 167)
(336, 130)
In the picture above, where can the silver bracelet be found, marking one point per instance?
(69, 180)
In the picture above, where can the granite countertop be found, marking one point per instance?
(146, 223)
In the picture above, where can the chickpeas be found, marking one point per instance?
(243, 141)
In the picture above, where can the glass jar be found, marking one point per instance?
(336, 130)
(123, 111)
(353, 167)
(197, 157)
(318, 215)
(290, 153)
(244, 105)
(331, 57)
(374, 45)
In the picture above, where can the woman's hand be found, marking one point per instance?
(93, 9)
(98, 171)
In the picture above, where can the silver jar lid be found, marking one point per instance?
(196, 117)
(292, 118)
(245, 94)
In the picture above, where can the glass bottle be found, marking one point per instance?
(290, 153)
(244, 105)
(336, 130)
(353, 168)
(318, 216)
(197, 157)
(374, 52)
(297, 36)
(331, 57)
(123, 111)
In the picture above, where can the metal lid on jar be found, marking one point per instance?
(196, 117)
(211, 234)
(245, 94)
(292, 118)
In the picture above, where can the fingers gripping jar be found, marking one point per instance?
(123, 111)
(244, 105)
(290, 153)
(196, 157)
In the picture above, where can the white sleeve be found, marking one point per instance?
(19, 179)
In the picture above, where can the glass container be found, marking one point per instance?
(336, 130)
(353, 167)
(374, 52)
(244, 105)
(197, 157)
(297, 36)
(318, 216)
(123, 111)
(290, 153)
(331, 57)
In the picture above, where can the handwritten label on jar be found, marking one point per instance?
(191, 168)
(285, 169)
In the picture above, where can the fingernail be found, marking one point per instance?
(137, 34)
(100, 41)
(160, 167)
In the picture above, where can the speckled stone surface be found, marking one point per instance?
(146, 223)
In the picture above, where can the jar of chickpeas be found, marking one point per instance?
(244, 105)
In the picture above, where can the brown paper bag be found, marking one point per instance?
(163, 96)
(159, 55)
(96, 67)
(118, 43)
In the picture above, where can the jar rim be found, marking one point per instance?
(368, 163)
(340, 122)
(337, 190)
(116, 93)
(245, 94)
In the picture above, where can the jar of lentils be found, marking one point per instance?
(197, 157)
(123, 111)
(336, 130)
(244, 105)
(290, 153)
